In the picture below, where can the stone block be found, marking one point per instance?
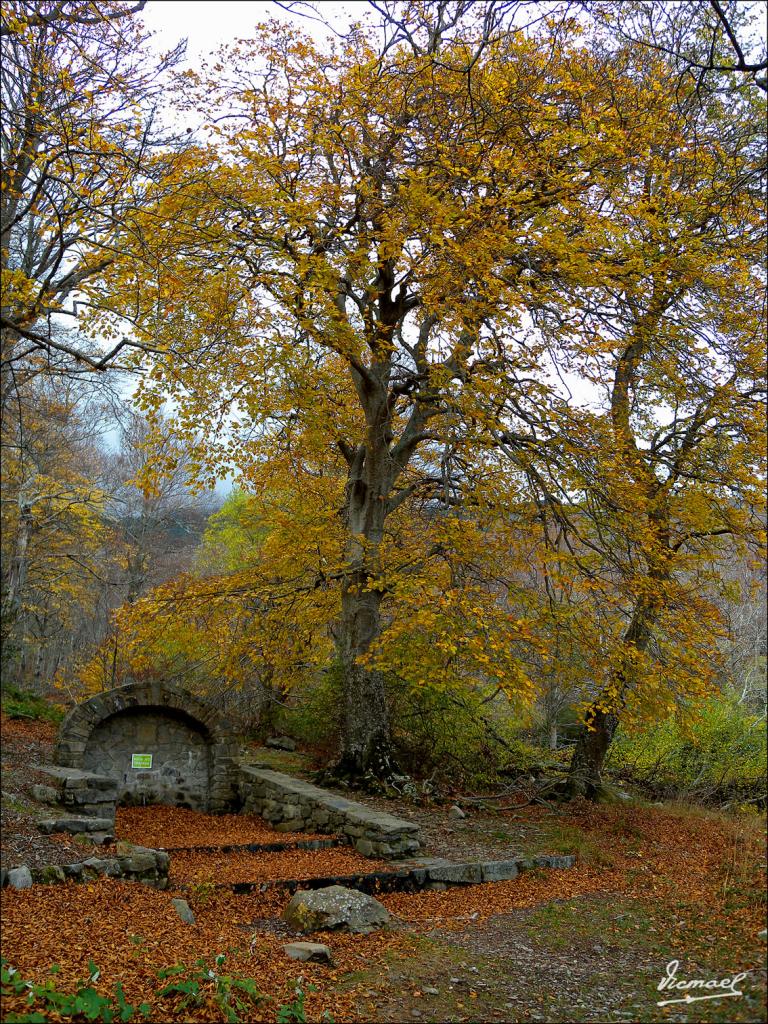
(555, 861)
(499, 870)
(365, 846)
(294, 825)
(136, 863)
(458, 874)
(45, 794)
(108, 866)
(75, 825)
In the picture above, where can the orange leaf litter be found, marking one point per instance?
(241, 866)
(130, 930)
(162, 826)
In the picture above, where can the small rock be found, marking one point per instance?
(314, 952)
(184, 911)
(281, 743)
(763, 934)
(101, 838)
(429, 990)
(456, 812)
(20, 878)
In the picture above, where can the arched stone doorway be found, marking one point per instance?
(160, 744)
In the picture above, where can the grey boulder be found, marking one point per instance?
(335, 907)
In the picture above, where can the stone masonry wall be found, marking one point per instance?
(291, 805)
(76, 792)
(181, 761)
(194, 748)
(131, 864)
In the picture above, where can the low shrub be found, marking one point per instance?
(718, 757)
(17, 703)
(45, 1000)
(458, 740)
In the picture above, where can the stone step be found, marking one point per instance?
(433, 873)
(299, 844)
(76, 825)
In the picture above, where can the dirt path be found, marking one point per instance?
(593, 959)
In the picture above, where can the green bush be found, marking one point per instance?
(451, 738)
(313, 715)
(719, 757)
(234, 994)
(458, 740)
(18, 703)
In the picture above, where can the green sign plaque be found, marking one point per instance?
(141, 760)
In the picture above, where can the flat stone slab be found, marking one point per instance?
(73, 778)
(76, 825)
(351, 808)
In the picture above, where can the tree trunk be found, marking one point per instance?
(595, 736)
(366, 747)
(366, 757)
(17, 574)
(553, 736)
(11, 624)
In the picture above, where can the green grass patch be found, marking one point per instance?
(22, 704)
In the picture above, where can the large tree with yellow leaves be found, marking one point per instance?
(366, 283)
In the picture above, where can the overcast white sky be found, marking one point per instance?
(207, 25)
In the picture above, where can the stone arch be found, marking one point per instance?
(194, 748)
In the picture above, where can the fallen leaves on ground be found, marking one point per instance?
(241, 866)
(28, 743)
(130, 931)
(646, 853)
(159, 825)
(676, 861)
